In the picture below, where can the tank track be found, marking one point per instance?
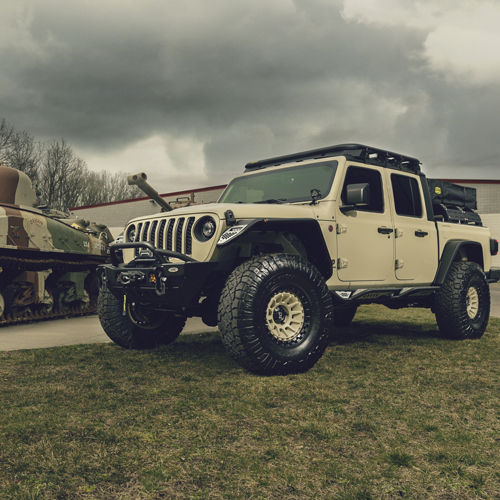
(38, 263)
(33, 316)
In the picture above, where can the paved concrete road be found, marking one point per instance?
(495, 300)
(82, 330)
(87, 330)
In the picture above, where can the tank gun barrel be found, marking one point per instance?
(139, 180)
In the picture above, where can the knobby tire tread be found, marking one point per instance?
(451, 314)
(235, 314)
(124, 333)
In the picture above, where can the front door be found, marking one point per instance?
(365, 236)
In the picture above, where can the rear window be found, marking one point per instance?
(406, 194)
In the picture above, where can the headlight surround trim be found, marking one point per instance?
(130, 233)
(205, 228)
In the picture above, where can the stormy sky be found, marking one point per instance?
(190, 90)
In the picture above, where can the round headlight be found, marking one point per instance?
(130, 234)
(205, 228)
(208, 229)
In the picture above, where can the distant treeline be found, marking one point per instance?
(62, 179)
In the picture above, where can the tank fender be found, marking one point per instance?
(452, 249)
(307, 230)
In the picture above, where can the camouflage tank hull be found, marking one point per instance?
(47, 264)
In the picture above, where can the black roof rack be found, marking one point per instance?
(356, 152)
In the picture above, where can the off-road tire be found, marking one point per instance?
(122, 331)
(253, 334)
(343, 314)
(452, 305)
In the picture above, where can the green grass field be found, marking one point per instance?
(391, 410)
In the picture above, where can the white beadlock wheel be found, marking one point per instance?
(472, 302)
(285, 316)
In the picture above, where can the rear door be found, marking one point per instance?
(415, 236)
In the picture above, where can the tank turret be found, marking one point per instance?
(15, 187)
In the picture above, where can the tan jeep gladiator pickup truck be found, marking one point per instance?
(294, 245)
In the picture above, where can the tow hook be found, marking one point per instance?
(128, 277)
(161, 282)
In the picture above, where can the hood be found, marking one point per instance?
(240, 211)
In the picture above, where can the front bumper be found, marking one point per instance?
(152, 278)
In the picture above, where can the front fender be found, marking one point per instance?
(307, 230)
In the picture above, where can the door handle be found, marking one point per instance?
(420, 233)
(385, 230)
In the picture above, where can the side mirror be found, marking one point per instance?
(356, 195)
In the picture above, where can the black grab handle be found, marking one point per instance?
(421, 234)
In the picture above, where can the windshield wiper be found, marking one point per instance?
(272, 200)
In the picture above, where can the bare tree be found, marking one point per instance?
(59, 173)
(102, 187)
(75, 184)
(62, 178)
(24, 153)
(95, 189)
(6, 132)
(120, 190)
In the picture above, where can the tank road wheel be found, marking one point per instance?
(18, 298)
(274, 314)
(140, 328)
(462, 304)
(343, 314)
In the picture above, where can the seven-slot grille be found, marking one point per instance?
(174, 233)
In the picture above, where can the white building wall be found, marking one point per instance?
(488, 196)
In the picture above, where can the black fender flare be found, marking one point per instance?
(307, 230)
(449, 254)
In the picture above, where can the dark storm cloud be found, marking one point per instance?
(244, 79)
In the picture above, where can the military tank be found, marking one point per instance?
(47, 259)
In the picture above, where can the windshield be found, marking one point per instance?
(282, 185)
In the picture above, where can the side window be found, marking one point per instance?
(358, 175)
(406, 195)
